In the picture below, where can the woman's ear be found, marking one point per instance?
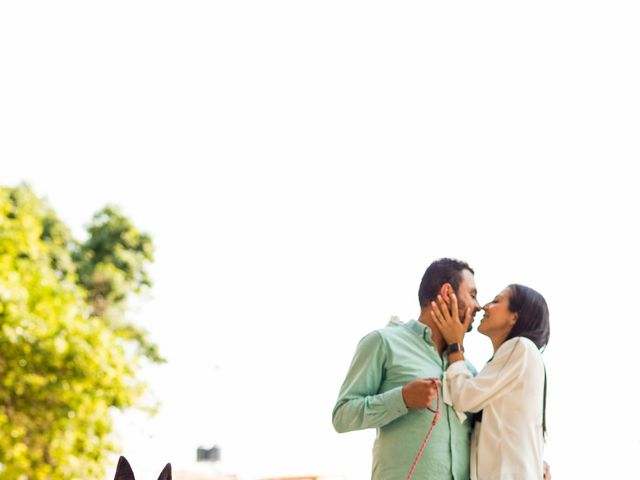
(514, 319)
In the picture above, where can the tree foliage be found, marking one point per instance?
(67, 355)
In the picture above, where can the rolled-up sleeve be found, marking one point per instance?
(471, 394)
(360, 404)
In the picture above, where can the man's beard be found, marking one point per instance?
(462, 309)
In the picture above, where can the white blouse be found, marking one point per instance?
(508, 443)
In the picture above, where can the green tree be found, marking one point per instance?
(110, 267)
(66, 356)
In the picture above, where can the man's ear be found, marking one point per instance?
(445, 291)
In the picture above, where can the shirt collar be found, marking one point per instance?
(420, 329)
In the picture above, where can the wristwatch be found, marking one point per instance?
(454, 347)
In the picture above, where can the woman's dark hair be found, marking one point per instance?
(533, 315)
(532, 323)
(441, 271)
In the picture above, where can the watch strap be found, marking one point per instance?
(454, 347)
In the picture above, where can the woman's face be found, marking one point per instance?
(498, 319)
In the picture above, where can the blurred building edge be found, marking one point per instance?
(394, 320)
(207, 467)
(311, 477)
(208, 455)
(186, 475)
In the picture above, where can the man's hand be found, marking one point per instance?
(448, 320)
(547, 471)
(420, 393)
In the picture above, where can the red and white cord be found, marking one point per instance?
(436, 417)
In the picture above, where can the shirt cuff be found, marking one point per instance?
(458, 368)
(394, 402)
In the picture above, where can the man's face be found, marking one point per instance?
(466, 294)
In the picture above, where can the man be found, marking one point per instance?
(393, 378)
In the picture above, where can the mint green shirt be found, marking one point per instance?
(371, 397)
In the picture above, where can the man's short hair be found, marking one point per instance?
(441, 271)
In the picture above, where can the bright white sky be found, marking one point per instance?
(299, 164)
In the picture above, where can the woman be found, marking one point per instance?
(509, 393)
